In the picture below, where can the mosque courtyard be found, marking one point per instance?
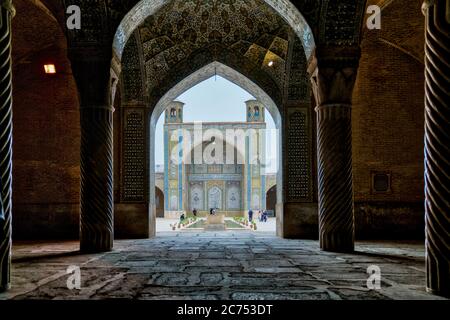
(241, 265)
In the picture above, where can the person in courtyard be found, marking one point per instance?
(264, 216)
(250, 215)
(194, 212)
(182, 217)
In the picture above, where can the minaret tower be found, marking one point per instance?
(173, 168)
(255, 157)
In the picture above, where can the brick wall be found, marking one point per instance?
(388, 123)
(46, 131)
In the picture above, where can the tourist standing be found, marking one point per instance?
(250, 215)
(194, 212)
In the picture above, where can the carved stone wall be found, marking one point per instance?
(298, 140)
(134, 125)
(131, 71)
(134, 155)
(298, 158)
(298, 87)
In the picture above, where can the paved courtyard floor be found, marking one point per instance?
(163, 225)
(217, 265)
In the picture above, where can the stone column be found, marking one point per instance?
(6, 13)
(91, 70)
(437, 146)
(333, 74)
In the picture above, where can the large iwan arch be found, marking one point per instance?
(206, 72)
(267, 84)
(147, 8)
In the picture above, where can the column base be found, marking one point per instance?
(90, 249)
(299, 221)
(133, 221)
(337, 243)
(5, 288)
(441, 293)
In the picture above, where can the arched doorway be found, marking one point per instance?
(271, 201)
(159, 202)
(219, 185)
(46, 150)
(263, 69)
(231, 74)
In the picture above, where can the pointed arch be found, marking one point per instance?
(146, 8)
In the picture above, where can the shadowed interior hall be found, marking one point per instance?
(362, 176)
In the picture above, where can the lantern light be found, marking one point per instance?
(50, 69)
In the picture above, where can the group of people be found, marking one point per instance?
(262, 215)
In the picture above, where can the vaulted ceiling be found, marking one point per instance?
(246, 26)
(250, 29)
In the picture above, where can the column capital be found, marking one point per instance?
(333, 72)
(334, 56)
(334, 111)
(92, 72)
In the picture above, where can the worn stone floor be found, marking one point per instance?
(217, 265)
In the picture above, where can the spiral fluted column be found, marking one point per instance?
(333, 73)
(96, 205)
(334, 151)
(6, 12)
(91, 68)
(437, 146)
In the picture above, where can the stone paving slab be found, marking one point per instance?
(218, 265)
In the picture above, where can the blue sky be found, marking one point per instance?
(213, 100)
